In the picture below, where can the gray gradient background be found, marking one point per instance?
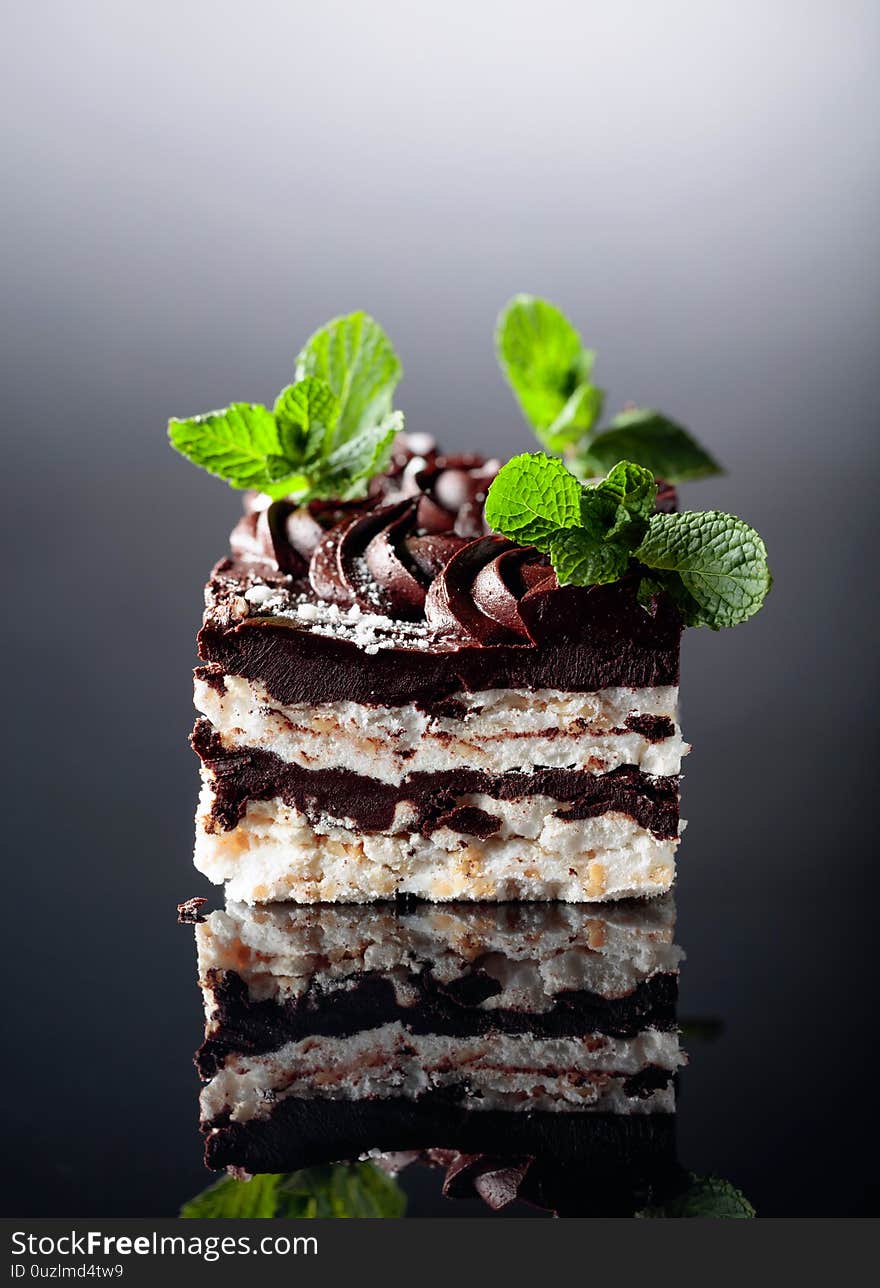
(188, 190)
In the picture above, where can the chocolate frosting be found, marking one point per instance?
(604, 638)
(381, 553)
(454, 607)
(417, 548)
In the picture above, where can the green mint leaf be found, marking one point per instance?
(531, 498)
(336, 1190)
(580, 560)
(617, 507)
(355, 358)
(720, 561)
(233, 443)
(306, 414)
(283, 484)
(341, 1190)
(631, 490)
(576, 419)
(705, 1196)
(277, 468)
(230, 1198)
(545, 363)
(347, 470)
(632, 487)
(656, 443)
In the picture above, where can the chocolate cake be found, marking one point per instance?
(527, 1031)
(395, 701)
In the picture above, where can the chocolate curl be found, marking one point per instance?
(499, 586)
(450, 601)
(496, 1181)
(429, 555)
(402, 593)
(325, 573)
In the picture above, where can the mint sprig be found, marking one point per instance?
(713, 565)
(703, 1197)
(334, 1190)
(355, 358)
(588, 531)
(550, 370)
(328, 433)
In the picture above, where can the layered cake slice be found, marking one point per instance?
(438, 676)
(331, 1032)
(396, 702)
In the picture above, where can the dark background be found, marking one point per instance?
(188, 191)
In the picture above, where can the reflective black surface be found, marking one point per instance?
(787, 1147)
(108, 1125)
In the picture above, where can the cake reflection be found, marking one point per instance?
(528, 1050)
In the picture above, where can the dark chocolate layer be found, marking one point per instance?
(304, 1133)
(245, 774)
(585, 639)
(486, 612)
(243, 1025)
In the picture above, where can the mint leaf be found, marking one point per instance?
(705, 1196)
(720, 561)
(580, 560)
(306, 414)
(341, 1190)
(232, 443)
(632, 488)
(658, 444)
(536, 501)
(531, 498)
(576, 419)
(713, 565)
(347, 470)
(355, 358)
(336, 1190)
(329, 432)
(231, 1198)
(548, 369)
(281, 482)
(631, 491)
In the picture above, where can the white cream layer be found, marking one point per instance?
(514, 1071)
(534, 951)
(274, 853)
(503, 729)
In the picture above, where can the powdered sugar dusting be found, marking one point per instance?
(366, 630)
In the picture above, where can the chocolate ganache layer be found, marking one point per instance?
(405, 596)
(303, 1133)
(242, 1024)
(243, 774)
